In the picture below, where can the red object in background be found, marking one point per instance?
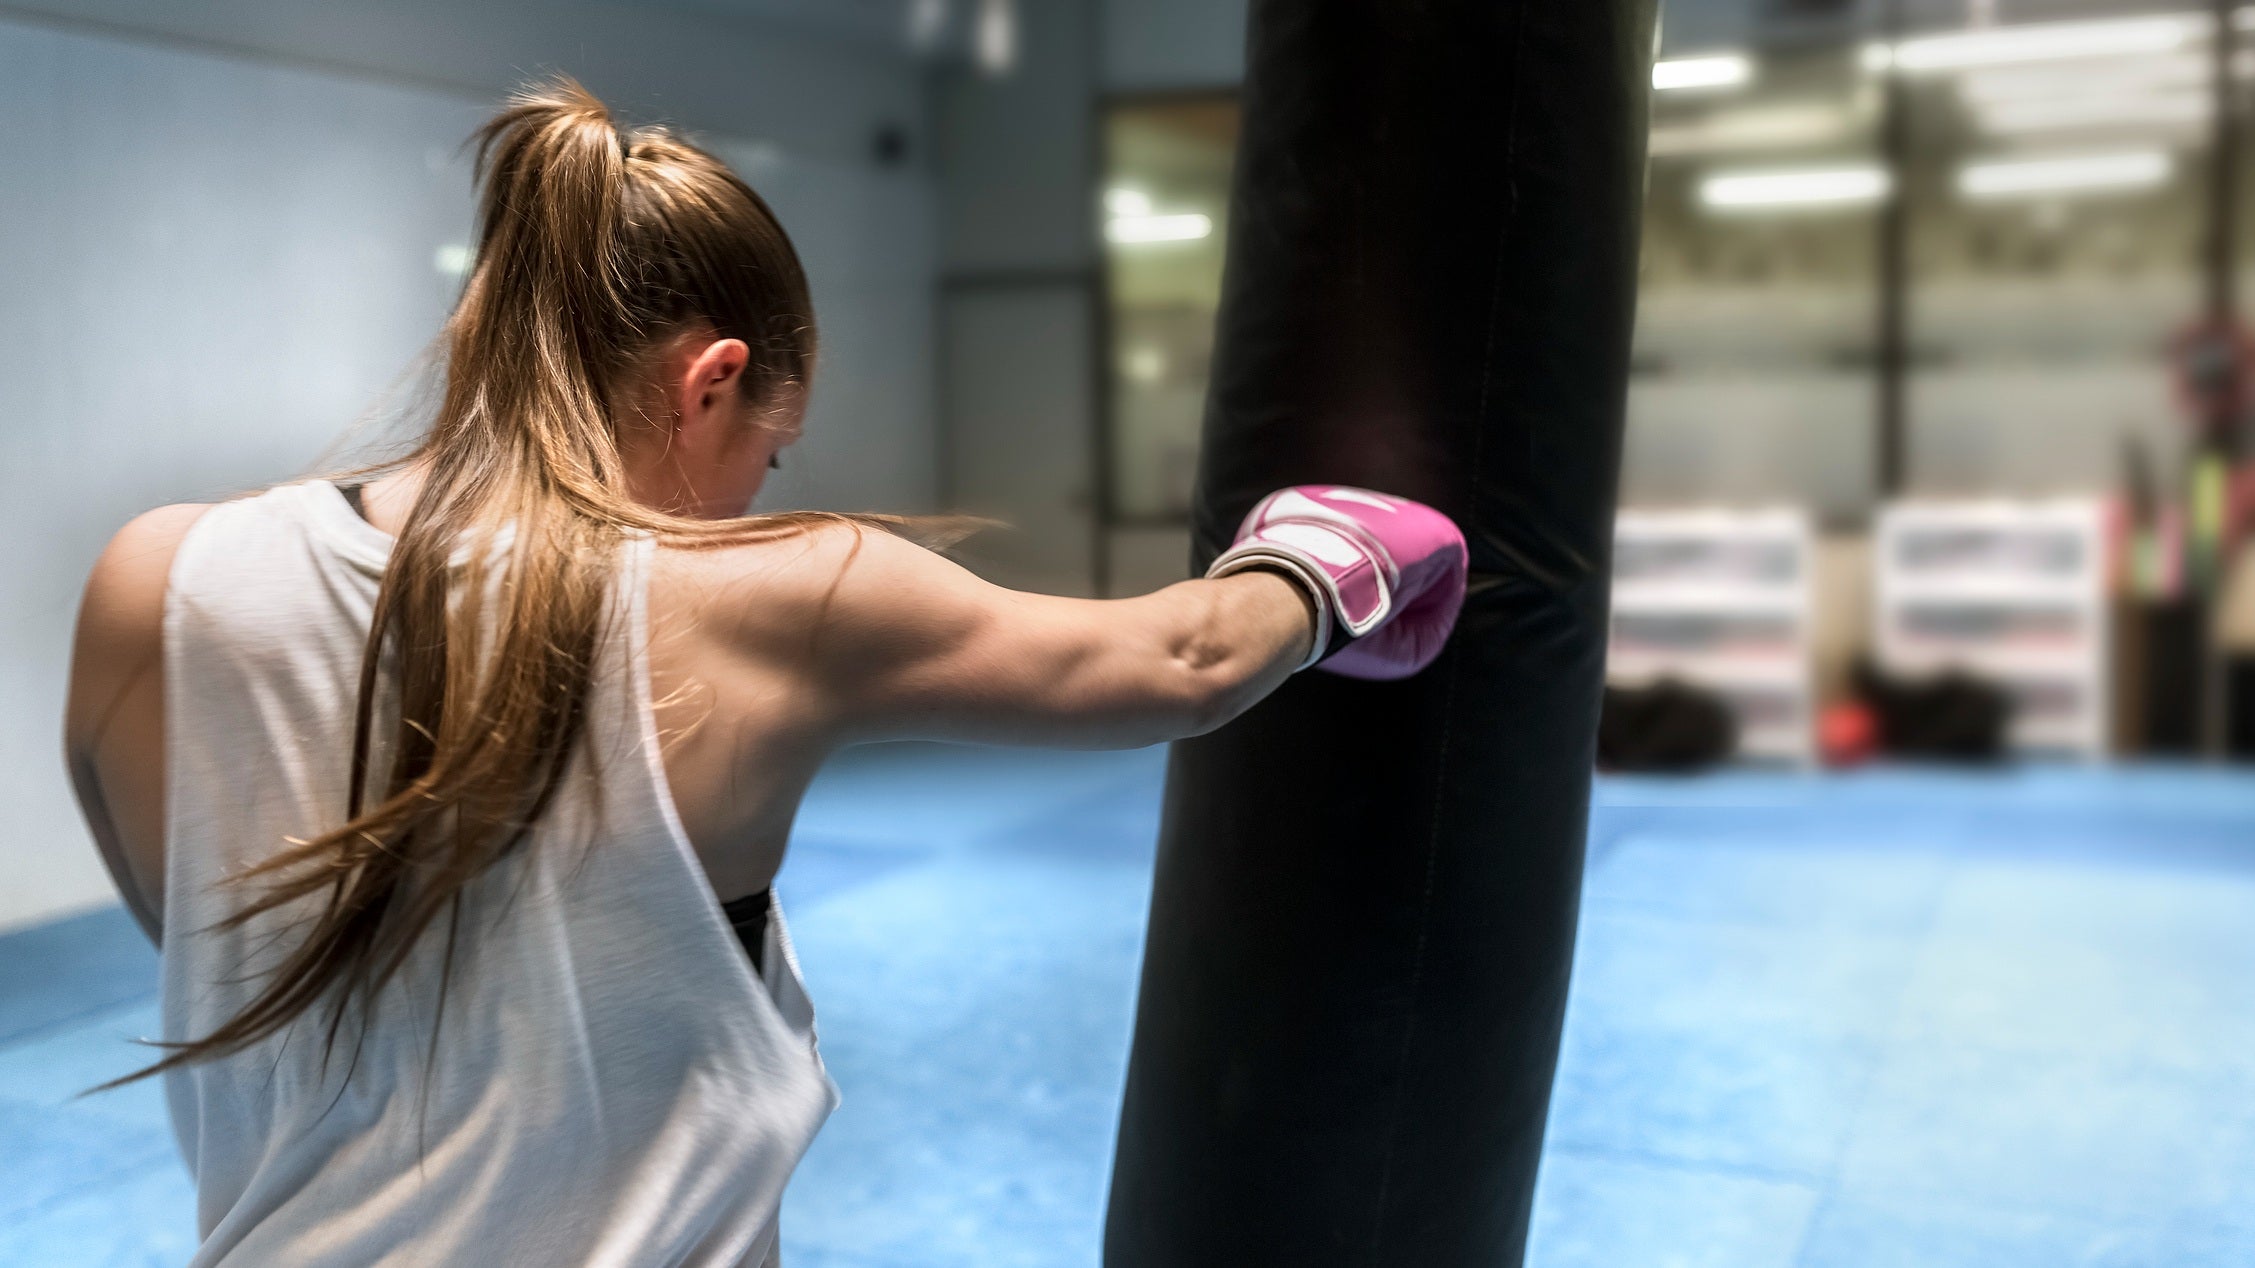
(1847, 734)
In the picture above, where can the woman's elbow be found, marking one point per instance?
(1174, 701)
(1212, 696)
(1191, 677)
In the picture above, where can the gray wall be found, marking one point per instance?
(1018, 300)
(868, 238)
(1163, 45)
(214, 261)
(814, 95)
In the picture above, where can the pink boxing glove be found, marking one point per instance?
(1386, 573)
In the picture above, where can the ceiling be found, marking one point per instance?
(885, 25)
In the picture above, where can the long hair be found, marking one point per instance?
(595, 245)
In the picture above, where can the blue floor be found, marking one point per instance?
(1919, 1019)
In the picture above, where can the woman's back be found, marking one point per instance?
(611, 1083)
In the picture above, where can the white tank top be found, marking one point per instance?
(612, 1083)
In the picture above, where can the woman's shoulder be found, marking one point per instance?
(776, 591)
(128, 579)
(785, 569)
(160, 528)
(113, 724)
(121, 615)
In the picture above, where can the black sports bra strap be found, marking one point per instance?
(748, 917)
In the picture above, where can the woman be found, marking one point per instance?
(447, 973)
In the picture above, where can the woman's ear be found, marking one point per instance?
(713, 378)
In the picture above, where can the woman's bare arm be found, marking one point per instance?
(901, 643)
(113, 726)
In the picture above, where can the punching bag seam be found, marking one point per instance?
(1504, 225)
(1417, 956)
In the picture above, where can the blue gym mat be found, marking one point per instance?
(1929, 1019)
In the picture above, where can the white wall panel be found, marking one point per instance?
(1020, 431)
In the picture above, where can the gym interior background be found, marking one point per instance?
(1919, 918)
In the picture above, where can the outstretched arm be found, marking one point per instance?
(888, 640)
(901, 643)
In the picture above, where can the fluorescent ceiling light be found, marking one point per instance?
(1756, 128)
(995, 36)
(2037, 42)
(1814, 188)
(2061, 174)
(1718, 70)
(1127, 202)
(2143, 92)
(2126, 77)
(2088, 113)
(1146, 364)
(1187, 227)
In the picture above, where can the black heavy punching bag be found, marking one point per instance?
(1366, 892)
